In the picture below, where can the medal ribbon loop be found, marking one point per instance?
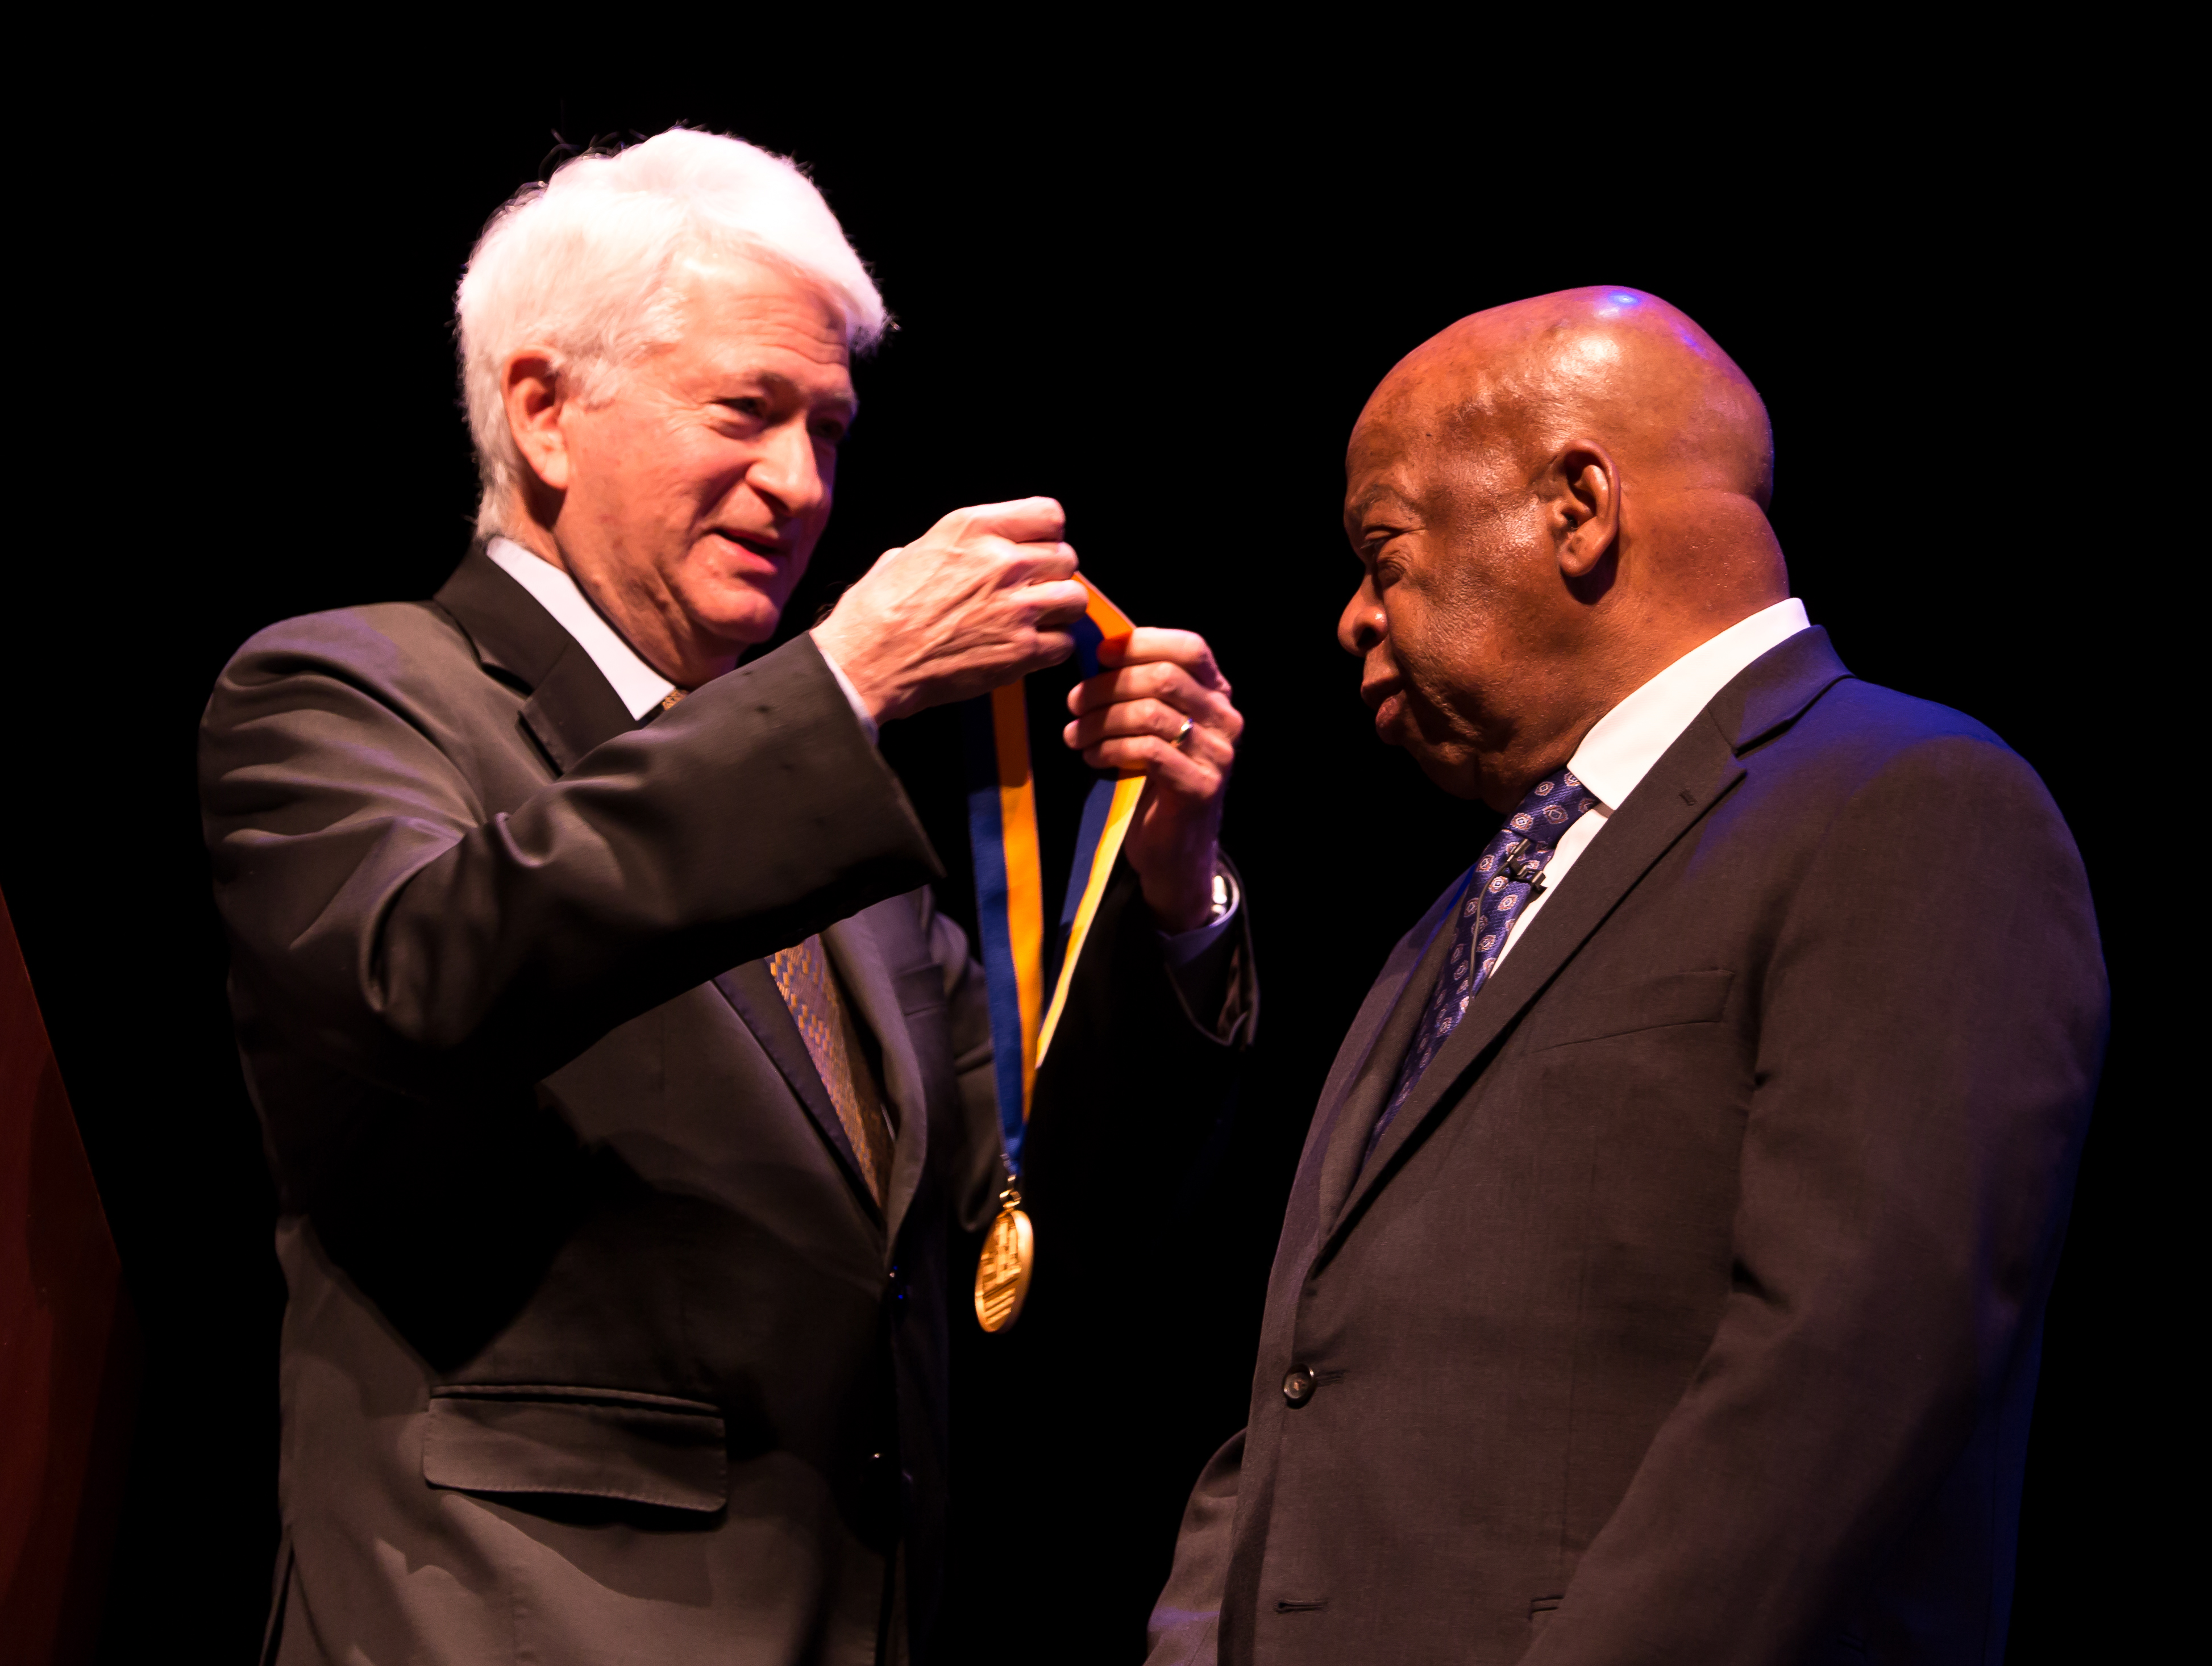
(1002, 832)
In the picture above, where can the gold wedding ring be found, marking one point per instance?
(1183, 734)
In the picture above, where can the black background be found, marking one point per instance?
(1164, 305)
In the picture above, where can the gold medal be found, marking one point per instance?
(1002, 1276)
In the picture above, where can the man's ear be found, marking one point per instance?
(532, 389)
(1585, 506)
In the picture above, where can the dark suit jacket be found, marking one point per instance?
(1689, 1310)
(597, 1346)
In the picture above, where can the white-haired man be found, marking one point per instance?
(621, 1085)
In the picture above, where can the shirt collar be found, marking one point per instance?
(1621, 748)
(636, 684)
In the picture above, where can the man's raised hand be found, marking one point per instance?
(982, 597)
(1161, 708)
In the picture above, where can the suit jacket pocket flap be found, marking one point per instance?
(646, 1448)
(1677, 997)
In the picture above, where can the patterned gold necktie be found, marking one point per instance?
(817, 1007)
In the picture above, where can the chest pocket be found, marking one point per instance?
(921, 991)
(1653, 1003)
(919, 988)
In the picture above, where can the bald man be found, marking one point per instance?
(1663, 1279)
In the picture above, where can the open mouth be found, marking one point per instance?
(767, 548)
(1386, 699)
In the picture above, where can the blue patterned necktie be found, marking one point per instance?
(1505, 876)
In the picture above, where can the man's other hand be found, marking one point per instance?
(1161, 685)
(982, 597)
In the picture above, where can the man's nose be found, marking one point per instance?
(1362, 624)
(785, 473)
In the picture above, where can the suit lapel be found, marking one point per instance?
(1363, 1078)
(863, 968)
(1695, 773)
(572, 707)
(751, 992)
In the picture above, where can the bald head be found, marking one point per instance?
(1552, 500)
(1614, 363)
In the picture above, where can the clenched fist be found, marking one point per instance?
(982, 597)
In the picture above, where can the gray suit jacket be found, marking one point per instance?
(1689, 1310)
(597, 1346)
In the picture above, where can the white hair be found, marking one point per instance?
(582, 266)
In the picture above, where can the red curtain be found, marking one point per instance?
(68, 1350)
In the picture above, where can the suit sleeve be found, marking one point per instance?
(1134, 1103)
(1931, 1021)
(392, 923)
(1185, 1629)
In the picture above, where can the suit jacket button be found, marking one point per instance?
(1298, 1386)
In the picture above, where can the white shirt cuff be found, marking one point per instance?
(1182, 948)
(852, 694)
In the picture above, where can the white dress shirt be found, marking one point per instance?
(1623, 745)
(640, 688)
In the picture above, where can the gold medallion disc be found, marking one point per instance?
(1002, 1276)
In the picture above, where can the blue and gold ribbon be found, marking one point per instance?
(1002, 832)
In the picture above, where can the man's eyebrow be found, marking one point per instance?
(1359, 506)
(776, 382)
